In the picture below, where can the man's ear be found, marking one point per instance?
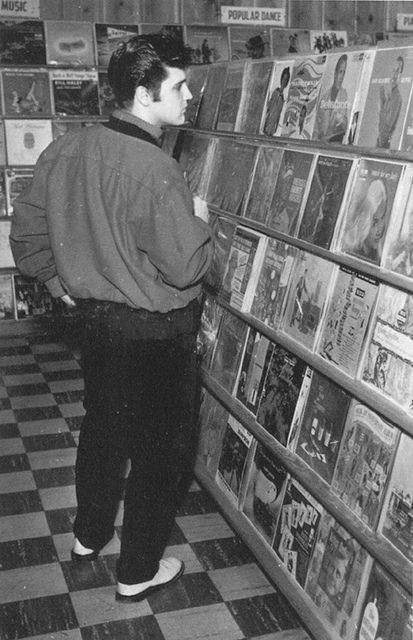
(143, 96)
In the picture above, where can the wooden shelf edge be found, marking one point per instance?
(375, 544)
(299, 600)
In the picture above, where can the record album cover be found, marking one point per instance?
(246, 249)
(335, 575)
(109, 36)
(265, 486)
(196, 78)
(26, 92)
(26, 139)
(208, 329)
(233, 458)
(387, 364)
(367, 212)
(321, 425)
(211, 96)
(397, 513)
(263, 182)
(306, 298)
(338, 90)
(6, 297)
(231, 168)
(208, 44)
(213, 419)
(297, 529)
(69, 42)
(231, 336)
(195, 158)
(223, 231)
(17, 181)
(284, 375)
(387, 99)
(254, 88)
(275, 101)
(386, 609)
(251, 41)
(287, 42)
(22, 42)
(3, 197)
(290, 189)
(254, 363)
(302, 98)
(398, 248)
(230, 97)
(364, 462)
(107, 100)
(6, 256)
(345, 324)
(75, 92)
(272, 282)
(325, 199)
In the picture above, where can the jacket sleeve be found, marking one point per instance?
(177, 243)
(29, 237)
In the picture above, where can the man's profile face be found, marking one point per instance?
(173, 99)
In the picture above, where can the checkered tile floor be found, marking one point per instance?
(223, 594)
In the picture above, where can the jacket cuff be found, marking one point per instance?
(55, 288)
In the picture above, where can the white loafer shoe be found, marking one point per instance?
(170, 569)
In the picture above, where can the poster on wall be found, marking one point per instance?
(274, 16)
(21, 10)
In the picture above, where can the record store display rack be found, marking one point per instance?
(306, 417)
(306, 340)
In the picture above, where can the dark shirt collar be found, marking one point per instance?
(126, 116)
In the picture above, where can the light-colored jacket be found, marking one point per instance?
(110, 217)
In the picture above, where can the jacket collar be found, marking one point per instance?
(124, 122)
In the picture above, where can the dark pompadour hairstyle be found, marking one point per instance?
(142, 61)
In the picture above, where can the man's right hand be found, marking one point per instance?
(201, 209)
(68, 300)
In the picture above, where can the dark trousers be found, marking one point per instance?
(140, 398)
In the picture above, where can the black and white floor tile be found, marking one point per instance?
(223, 595)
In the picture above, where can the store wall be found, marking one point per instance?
(356, 16)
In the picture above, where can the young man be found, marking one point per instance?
(109, 226)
